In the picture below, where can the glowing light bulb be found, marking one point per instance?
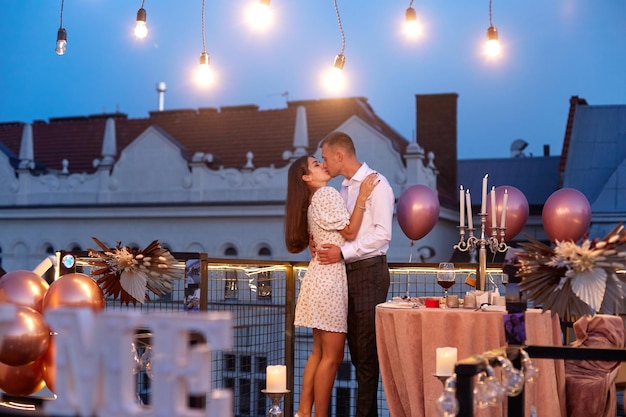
(204, 76)
(411, 27)
(259, 15)
(492, 48)
(334, 79)
(141, 29)
(61, 42)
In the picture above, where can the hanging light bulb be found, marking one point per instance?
(141, 29)
(492, 48)
(334, 78)
(493, 44)
(61, 44)
(204, 75)
(259, 15)
(411, 26)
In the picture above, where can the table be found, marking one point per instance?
(407, 340)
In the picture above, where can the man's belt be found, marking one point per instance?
(364, 263)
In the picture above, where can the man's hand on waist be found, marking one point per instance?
(328, 254)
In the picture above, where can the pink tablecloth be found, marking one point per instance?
(407, 342)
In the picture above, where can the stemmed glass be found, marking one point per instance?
(446, 276)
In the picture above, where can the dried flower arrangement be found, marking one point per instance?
(128, 274)
(574, 280)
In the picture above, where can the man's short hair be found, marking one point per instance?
(341, 140)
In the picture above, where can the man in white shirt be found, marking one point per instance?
(366, 263)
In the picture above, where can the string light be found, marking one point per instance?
(259, 15)
(141, 30)
(61, 45)
(411, 27)
(493, 44)
(334, 79)
(204, 75)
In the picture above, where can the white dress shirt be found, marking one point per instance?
(375, 231)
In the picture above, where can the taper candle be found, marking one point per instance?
(504, 203)
(461, 207)
(483, 203)
(468, 200)
(493, 207)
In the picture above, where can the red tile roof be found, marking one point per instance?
(228, 133)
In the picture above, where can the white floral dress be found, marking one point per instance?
(323, 299)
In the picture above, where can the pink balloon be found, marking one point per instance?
(566, 215)
(24, 288)
(417, 211)
(516, 211)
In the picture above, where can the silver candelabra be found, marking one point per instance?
(482, 243)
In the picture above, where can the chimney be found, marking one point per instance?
(546, 150)
(161, 87)
(436, 127)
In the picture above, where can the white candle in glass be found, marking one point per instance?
(483, 203)
(468, 200)
(505, 200)
(493, 207)
(446, 359)
(276, 379)
(461, 207)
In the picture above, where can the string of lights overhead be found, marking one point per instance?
(260, 17)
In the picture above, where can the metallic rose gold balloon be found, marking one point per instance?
(24, 288)
(566, 215)
(21, 380)
(74, 290)
(49, 366)
(417, 211)
(25, 338)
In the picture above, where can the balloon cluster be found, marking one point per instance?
(566, 213)
(26, 341)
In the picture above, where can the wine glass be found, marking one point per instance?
(446, 276)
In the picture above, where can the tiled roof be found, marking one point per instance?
(228, 133)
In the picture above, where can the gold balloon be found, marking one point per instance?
(24, 288)
(25, 338)
(74, 290)
(21, 380)
(49, 365)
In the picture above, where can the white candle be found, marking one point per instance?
(493, 207)
(461, 207)
(483, 203)
(504, 203)
(276, 380)
(446, 359)
(468, 200)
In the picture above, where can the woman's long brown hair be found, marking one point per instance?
(296, 205)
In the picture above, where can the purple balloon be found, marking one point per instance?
(417, 211)
(516, 211)
(566, 215)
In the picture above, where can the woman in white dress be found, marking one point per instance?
(316, 211)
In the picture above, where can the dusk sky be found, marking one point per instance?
(551, 50)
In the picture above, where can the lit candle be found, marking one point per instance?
(483, 203)
(446, 359)
(493, 207)
(504, 202)
(468, 200)
(461, 207)
(276, 380)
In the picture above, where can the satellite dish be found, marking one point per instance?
(517, 148)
